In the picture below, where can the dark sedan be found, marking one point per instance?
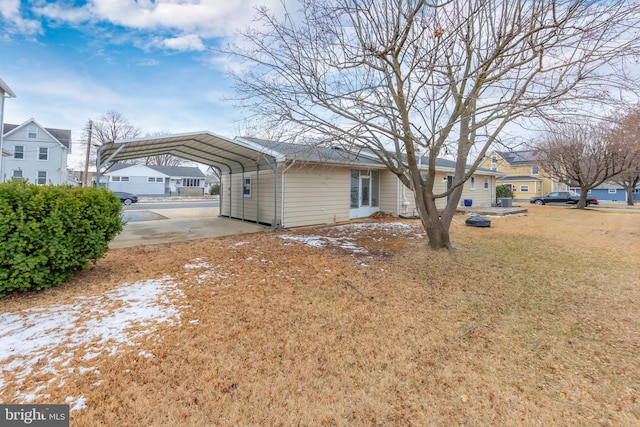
(126, 198)
(561, 197)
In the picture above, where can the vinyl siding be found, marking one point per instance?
(316, 194)
(257, 208)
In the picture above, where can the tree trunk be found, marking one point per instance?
(582, 202)
(629, 191)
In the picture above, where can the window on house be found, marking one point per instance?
(494, 159)
(524, 188)
(32, 132)
(494, 169)
(191, 182)
(472, 183)
(43, 153)
(355, 188)
(124, 178)
(17, 174)
(42, 178)
(375, 188)
(612, 191)
(115, 179)
(535, 170)
(486, 183)
(18, 152)
(246, 186)
(154, 179)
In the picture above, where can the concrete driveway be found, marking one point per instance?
(150, 227)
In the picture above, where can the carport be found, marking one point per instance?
(228, 156)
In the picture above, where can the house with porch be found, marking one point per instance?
(293, 185)
(35, 153)
(522, 173)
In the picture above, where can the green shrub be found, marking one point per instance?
(214, 190)
(504, 191)
(47, 233)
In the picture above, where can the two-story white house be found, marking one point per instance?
(35, 153)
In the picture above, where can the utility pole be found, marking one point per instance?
(85, 179)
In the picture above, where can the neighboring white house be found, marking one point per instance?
(35, 153)
(154, 180)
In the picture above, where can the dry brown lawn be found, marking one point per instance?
(534, 321)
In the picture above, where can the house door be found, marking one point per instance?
(364, 199)
(449, 184)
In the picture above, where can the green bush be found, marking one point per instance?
(504, 191)
(47, 233)
(214, 190)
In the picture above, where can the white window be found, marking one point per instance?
(154, 179)
(115, 179)
(42, 178)
(494, 159)
(32, 132)
(246, 187)
(18, 152)
(17, 174)
(494, 169)
(124, 178)
(486, 183)
(472, 183)
(535, 170)
(612, 191)
(191, 182)
(524, 188)
(43, 153)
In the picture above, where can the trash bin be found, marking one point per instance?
(504, 202)
(468, 202)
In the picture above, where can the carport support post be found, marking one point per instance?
(274, 168)
(258, 193)
(99, 164)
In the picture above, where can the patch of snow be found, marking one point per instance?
(76, 403)
(30, 337)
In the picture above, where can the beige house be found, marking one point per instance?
(324, 185)
(292, 185)
(523, 174)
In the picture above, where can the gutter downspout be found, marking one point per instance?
(2, 97)
(282, 182)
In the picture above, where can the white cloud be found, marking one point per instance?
(13, 22)
(184, 43)
(206, 18)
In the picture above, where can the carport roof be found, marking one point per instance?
(201, 147)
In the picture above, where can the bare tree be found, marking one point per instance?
(398, 77)
(585, 156)
(628, 134)
(111, 126)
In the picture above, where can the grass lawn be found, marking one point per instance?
(534, 321)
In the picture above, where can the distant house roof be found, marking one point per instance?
(62, 135)
(518, 158)
(181, 171)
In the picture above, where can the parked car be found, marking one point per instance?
(563, 198)
(126, 198)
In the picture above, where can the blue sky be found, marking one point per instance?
(71, 60)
